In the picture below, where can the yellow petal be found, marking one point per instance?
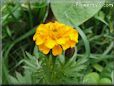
(61, 41)
(39, 40)
(65, 46)
(74, 36)
(40, 27)
(44, 49)
(68, 44)
(72, 43)
(57, 50)
(34, 37)
(50, 43)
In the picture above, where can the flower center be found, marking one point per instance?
(54, 30)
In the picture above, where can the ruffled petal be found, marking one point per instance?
(39, 40)
(57, 50)
(61, 41)
(72, 43)
(65, 46)
(55, 36)
(74, 36)
(69, 44)
(50, 43)
(44, 49)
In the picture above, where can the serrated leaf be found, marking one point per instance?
(30, 64)
(28, 76)
(82, 61)
(36, 53)
(29, 55)
(13, 80)
(20, 78)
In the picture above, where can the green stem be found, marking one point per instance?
(53, 69)
(108, 48)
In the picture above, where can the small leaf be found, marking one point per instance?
(105, 81)
(36, 53)
(9, 32)
(27, 76)
(82, 61)
(30, 64)
(101, 17)
(20, 78)
(13, 80)
(91, 78)
(98, 67)
(29, 55)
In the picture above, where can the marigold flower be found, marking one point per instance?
(55, 36)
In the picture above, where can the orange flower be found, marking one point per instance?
(55, 36)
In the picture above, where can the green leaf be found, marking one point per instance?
(112, 76)
(98, 67)
(28, 63)
(101, 17)
(13, 80)
(21, 79)
(105, 81)
(61, 59)
(5, 72)
(81, 60)
(35, 52)
(29, 55)
(28, 76)
(75, 10)
(91, 78)
(9, 32)
(0, 80)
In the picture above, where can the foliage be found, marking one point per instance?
(94, 78)
(77, 13)
(49, 70)
(95, 51)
